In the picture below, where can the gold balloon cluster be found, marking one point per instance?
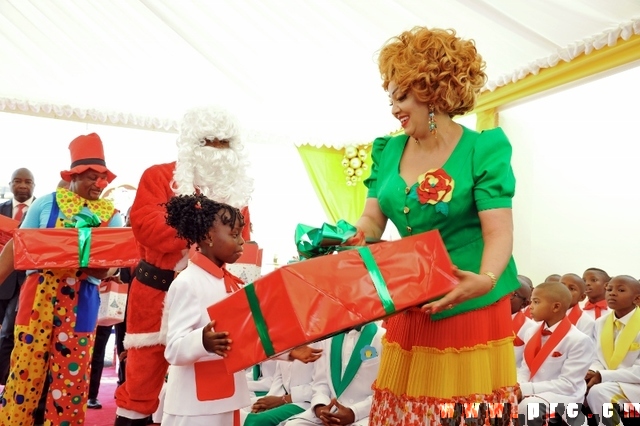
(354, 164)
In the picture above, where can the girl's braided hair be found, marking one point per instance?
(193, 215)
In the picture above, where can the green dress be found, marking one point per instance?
(464, 354)
(483, 179)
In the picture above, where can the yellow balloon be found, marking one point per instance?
(350, 171)
(355, 162)
(359, 172)
(362, 154)
(350, 151)
(345, 162)
(365, 166)
(354, 179)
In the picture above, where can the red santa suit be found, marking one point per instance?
(162, 254)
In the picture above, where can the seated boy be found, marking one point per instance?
(290, 394)
(614, 376)
(582, 321)
(556, 355)
(520, 299)
(260, 377)
(342, 379)
(595, 281)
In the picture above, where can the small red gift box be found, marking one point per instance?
(59, 248)
(7, 227)
(311, 300)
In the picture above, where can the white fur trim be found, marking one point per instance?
(142, 340)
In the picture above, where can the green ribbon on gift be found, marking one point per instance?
(378, 280)
(374, 272)
(83, 223)
(258, 319)
(312, 242)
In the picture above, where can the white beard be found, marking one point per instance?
(218, 173)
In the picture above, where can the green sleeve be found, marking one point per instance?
(376, 156)
(494, 182)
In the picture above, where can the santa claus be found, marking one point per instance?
(211, 162)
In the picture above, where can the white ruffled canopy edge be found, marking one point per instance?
(597, 42)
(69, 112)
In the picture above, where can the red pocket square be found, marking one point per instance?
(556, 354)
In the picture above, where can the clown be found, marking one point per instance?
(210, 162)
(58, 308)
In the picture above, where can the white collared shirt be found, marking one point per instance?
(624, 320)
(15, 203)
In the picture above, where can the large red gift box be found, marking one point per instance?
(59, 248)
(7, 227)
(314, 299)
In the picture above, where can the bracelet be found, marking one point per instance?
(494, 280)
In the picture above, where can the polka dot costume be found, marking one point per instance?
(55, 328)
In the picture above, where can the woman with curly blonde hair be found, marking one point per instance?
(441, 175)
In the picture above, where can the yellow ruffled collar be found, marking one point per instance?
(71, 204)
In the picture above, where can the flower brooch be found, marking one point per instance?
(434, 187)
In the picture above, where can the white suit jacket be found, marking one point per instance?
(294, 378)
(627, 375)
(358, 395)
(586, 323)
(560, 378)
(263, 384)
(188, 298)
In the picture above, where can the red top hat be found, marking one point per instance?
(87, 153)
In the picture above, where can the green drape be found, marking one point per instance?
(326, 173)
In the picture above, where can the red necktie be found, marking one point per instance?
(231, 282)
(547, 332)
(598, 307)
(20, 212)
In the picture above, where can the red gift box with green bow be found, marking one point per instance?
(82, 245)
(317, 298)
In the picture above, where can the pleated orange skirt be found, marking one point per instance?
(425, 365)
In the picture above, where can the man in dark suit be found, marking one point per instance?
(22, 184)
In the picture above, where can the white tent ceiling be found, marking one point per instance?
(293, 70)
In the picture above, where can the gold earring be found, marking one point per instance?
(210, 243)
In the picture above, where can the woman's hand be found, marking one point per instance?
(356, 240)
(470, 285)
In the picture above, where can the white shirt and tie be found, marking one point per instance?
(20, 209)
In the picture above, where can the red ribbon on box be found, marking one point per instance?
(314, 299)
(58, 248)
(7, 227)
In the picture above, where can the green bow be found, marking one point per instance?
(83, 223)
(312, 242)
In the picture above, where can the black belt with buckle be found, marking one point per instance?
(154, 277)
